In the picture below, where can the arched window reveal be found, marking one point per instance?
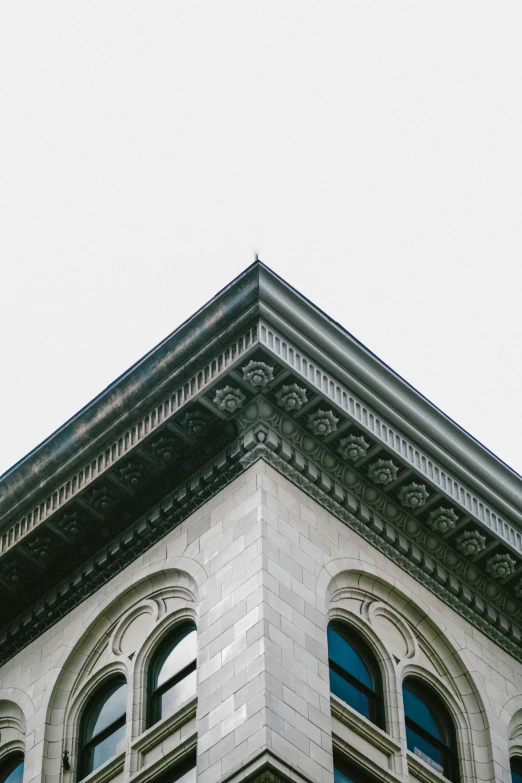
(12, 769)
(172, 675)
(430, 731)
(354, 673)
(102, 731)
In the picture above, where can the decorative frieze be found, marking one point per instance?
(229, 400)
(471, 543)
(325, 478)
(369, 421)
(500, 566)
(442, 520)
(383, 472)
(195, 423)
(413, 495)
(291, 398)
(322, 423)
(131, 474)
(258, 374)
(353, 447)
(128, 439)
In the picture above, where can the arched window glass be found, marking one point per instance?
(12, 770)
(172, 674)
(516, 769)
(354, 672)
(102, 731)
(430, 731)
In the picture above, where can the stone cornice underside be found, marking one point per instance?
(278, 439)
(369, 421)
(197, 430)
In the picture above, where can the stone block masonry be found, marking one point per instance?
(262, 568)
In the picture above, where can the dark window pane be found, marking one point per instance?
(516, 770)
(417, 743)
(418, 711)
(180, 656)
(344, 655)
(180, 692)
(110, 707)
(107, 748)
(341, 777)
(349, 693)
(15, 776)
(188, 777)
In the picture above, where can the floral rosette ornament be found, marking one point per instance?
(500, 566)
(353, 447)
(258, 374)
(291, 398)
(322, 423)
(471, 543)
(229, 399)
(413, 495)
(442, 520)
(195, 424)
(383, 472)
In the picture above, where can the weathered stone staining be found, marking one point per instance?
(250, 491)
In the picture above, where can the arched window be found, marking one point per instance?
(12, 769)
(355, 676)
(172, 673)
(430, 730)
(102, 729)
(516, 769)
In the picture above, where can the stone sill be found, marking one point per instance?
(362, 726)
(172, 758)
(164, 728)
(423, 771)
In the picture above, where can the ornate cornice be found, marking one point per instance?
(128, 439)
(369, 421)
(271, 435)
(256, 393)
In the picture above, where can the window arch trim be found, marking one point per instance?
(163, 647)
(436, 702)
(364, 649)
(89, 702)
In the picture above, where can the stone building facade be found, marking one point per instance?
(348, 559)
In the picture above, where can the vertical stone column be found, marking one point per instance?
(263, 690)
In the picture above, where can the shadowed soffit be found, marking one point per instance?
(259, 372)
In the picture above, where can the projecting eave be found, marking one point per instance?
(259, 290)
(260, 373)
(387, 393)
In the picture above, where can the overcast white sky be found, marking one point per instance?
(370, 152)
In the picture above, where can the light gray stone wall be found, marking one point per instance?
(261, 568)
